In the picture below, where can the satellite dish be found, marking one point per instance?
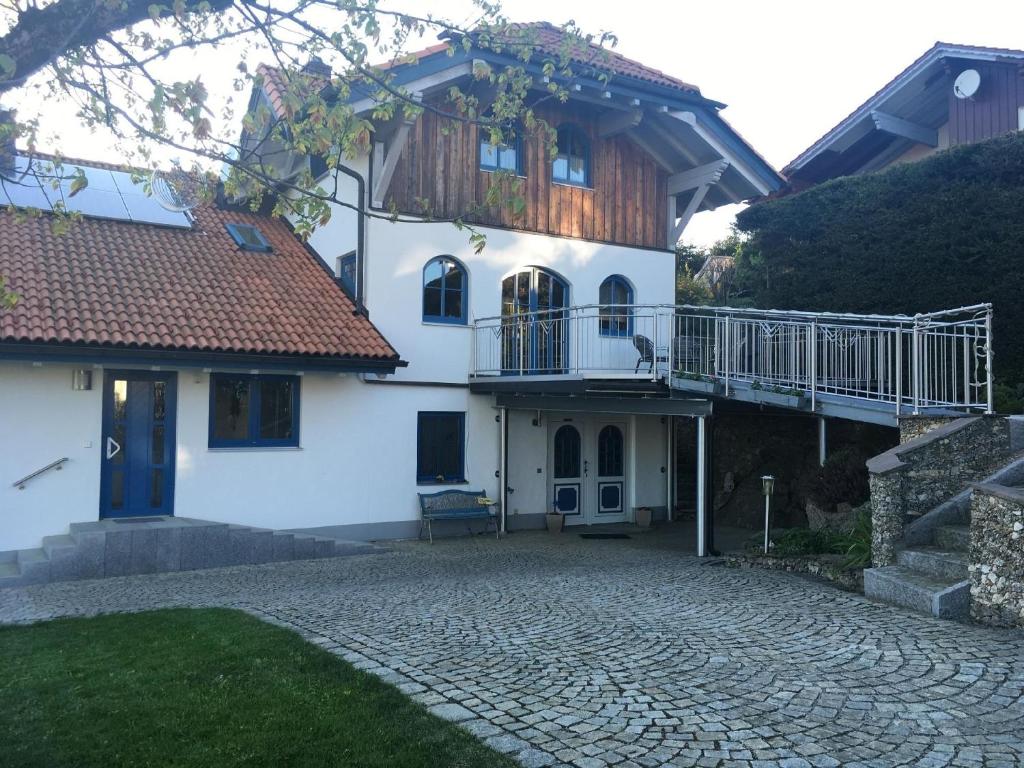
(176, 189)
(966, 84)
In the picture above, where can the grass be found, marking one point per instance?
(209, 687)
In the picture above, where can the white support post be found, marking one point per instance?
(503, 467)
(822, 444)
(631, 463)
(684, 219)
(669, 467)
(701, 490)
(671, 219)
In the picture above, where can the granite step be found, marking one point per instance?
(923, 593)
(162, 545)
(932, 561)
(956, 538)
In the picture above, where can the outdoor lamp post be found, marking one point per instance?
(767, 487)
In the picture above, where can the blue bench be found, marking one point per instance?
(454, 505)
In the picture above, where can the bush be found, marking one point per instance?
(803, 542)
(843, 478)
(937, 234)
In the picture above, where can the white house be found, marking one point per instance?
(210, 365)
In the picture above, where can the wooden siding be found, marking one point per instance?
(627, 203)
(993, 111)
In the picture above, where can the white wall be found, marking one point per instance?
(397, 252)
(42, 419)
(356, 463)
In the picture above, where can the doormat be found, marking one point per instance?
(604, 535)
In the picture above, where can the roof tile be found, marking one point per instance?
(117, 284)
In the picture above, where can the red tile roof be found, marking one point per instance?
(549, 39)
(542, 36)
(127, 285)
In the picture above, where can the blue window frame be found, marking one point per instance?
(248, 237)
(440, 447)
(445, 291)
(347, 271)
(254, 411)
(572, 163)
(616, 312)
(502, 157)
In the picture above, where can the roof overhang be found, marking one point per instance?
(170, 358)
(681, 131)
(605, 403)
(906, 111)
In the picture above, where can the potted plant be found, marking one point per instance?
(555, 519)
(642, 516)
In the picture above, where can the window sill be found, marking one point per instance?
(442, 482)
(586, 187)
(250, 448)
(442, 324)
(517, 174)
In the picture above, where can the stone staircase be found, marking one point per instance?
(122, 547)
(931, 571)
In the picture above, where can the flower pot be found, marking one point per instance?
(697, 385)
(642, 515)
(556, 521)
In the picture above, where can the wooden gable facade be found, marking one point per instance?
(438, 172)
(994, 110)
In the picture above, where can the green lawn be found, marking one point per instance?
(205, 688)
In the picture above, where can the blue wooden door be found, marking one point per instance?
(535, 328)
(137, 476)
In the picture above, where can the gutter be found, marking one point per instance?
(360, 238)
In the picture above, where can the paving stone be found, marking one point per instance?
(453, 712)
(622, 664)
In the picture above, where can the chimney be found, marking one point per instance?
(8, 133)
(317, 66)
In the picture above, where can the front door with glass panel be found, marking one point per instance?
(535, 332)
(610, 477)
(567, 471)
(137, 476)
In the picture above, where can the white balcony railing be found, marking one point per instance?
(937, 360)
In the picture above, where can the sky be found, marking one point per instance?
(788, 70)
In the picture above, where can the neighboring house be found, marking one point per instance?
(953, 94)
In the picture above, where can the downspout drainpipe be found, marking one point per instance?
(360, 238)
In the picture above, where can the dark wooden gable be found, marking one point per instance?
(438, 172)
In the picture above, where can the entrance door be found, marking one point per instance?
(610, 478)
(137, 477)
(535, 325)
(567, 471)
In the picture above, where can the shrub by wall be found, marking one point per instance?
(941, 233)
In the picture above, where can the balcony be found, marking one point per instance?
(867, 367)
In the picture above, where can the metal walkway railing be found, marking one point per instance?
(936, 360)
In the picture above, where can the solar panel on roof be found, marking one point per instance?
(23, 187)
(108, 195)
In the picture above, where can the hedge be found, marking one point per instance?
(937, 234)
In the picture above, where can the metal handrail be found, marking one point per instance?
(58, 465)
(911, 362)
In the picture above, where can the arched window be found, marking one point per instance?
(445, 291)
(616, 312)
(567, 451)
(572, 163)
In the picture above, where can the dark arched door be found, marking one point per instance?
(611, 470)
(567, 471)
(535, 324)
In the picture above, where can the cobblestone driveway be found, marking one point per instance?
(593, 653)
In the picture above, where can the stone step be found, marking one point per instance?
(940, 563)
(161, 545)
(956, 538)
(897, 585)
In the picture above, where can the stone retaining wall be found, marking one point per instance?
(997, 555)
(825, 566)
(914, 477)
